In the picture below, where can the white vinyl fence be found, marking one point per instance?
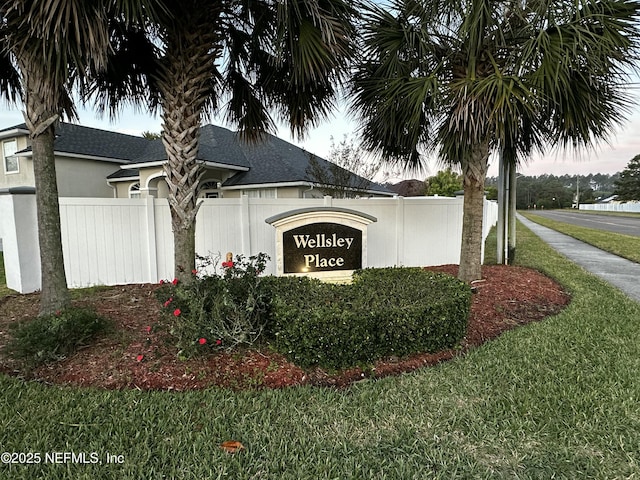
(612, 207)
(121, 241)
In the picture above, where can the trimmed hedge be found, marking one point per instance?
(384, 312)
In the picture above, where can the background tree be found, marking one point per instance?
(444, 183)
(151, 135)
(408, 188)
(252, 61)
(465, 79)
(348, 172)
(627, 187)
(539, 191)
(49, 45)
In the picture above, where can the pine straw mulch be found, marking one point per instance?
(505, 298)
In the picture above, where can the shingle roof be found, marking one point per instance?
(216, 144)
(79, 140)
(124, 173)
(221, 145)
(272, 160)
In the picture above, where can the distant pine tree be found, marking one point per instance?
(628, 185)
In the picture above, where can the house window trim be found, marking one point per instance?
(209, 188)
(4, 158)
(134, 190)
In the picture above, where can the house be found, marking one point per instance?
(99, 163)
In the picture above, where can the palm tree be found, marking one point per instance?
(240, 58)
(47, 45)
(465, 79)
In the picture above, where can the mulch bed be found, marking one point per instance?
(138, 355)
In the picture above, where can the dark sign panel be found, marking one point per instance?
(322, 247)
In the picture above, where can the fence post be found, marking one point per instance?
(399, 230)
(152, 245)
(245, 225)
(19, 231)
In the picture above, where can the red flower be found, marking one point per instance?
(166, 304)
(218, 342)
(161, 282)
(176, 312)
(194, 271)
(148, 329)
(139, 358)
(227, 264)
(202, 341)
(175, 281)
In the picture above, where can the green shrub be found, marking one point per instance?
(52, 337)
(218, 310)
(384, 312)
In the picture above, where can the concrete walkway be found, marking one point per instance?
(618, 271)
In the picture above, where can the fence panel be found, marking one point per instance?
(633, 207)
(104, 242)
(120, 241)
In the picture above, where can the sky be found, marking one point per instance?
(606, 158)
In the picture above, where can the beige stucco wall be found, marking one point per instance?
(24, 177)
(163, 189)
(150, 178)
(84, 178)
(231, 193)
(289, 192)
(122, 189)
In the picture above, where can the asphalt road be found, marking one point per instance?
(609, 223)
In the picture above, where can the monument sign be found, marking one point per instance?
(319, 247)
(325, 242)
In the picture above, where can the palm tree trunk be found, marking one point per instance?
(184, 84)
(474, 172)
(41, 124)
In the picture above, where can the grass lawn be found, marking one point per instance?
(625, 246)
(556, 399)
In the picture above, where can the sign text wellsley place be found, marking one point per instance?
(321, 247)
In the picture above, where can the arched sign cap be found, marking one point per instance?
(312, 213)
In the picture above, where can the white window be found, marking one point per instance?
(134, 191)
(9, 149)
(209, 189)
(261, 193)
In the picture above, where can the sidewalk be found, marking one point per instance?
(618, 271)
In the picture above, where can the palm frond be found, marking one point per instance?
(10, 83)
(292, 58)
(518, 75)
(130, 74)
